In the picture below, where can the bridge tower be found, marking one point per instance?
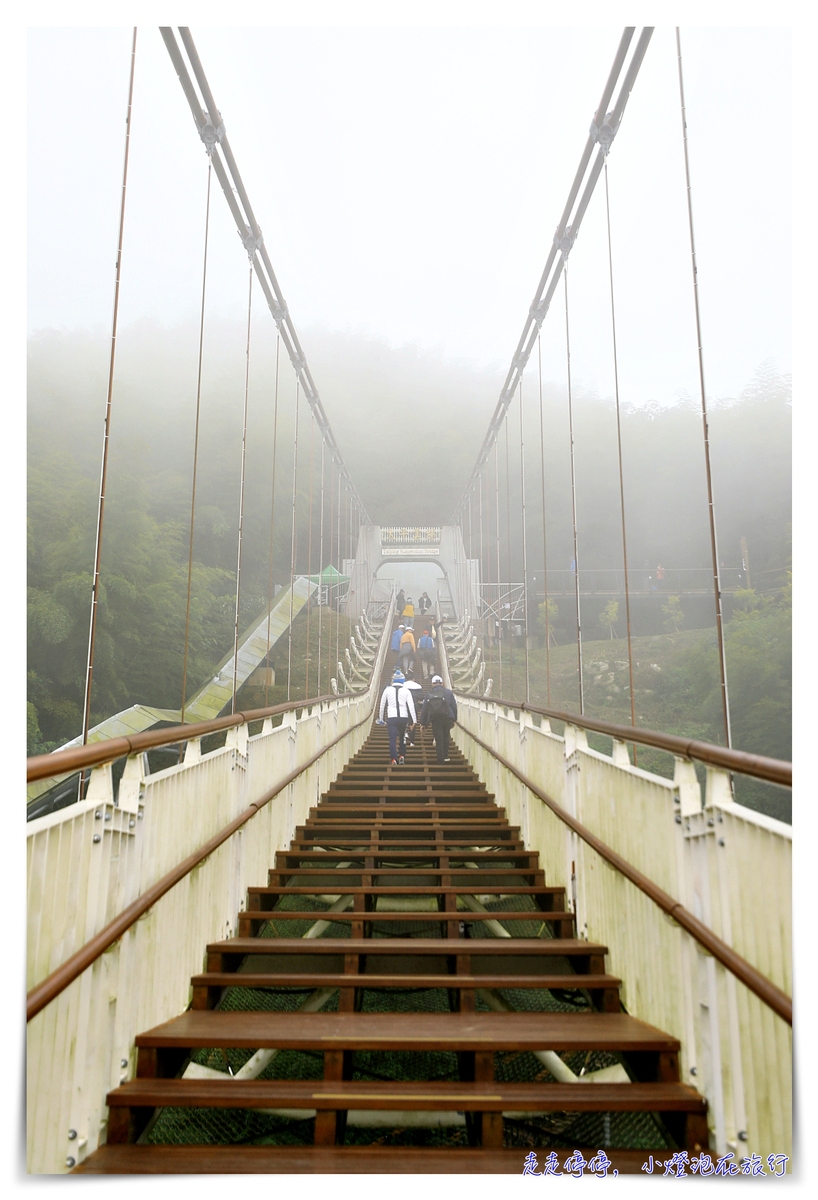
(382, 546)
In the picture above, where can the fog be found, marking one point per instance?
(408, 183)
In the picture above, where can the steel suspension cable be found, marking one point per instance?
(241, 488)
(196, 446)
(619, 451)
(309, 562)
(497, 541)
(331, 553)
(292, 546)
(508, 557)
(544, 548)
(525, 553)
(484, 579)
(725, 700)
(272, 525)
(321, 568)
(106, 435)
(573, 494)
(340, 562)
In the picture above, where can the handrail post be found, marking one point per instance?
(687, 781)
(619, 754)
(718, 789)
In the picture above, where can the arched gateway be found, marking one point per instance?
(384, 545)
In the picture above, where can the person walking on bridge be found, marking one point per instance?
(394, 644)
(424, 604)
(399, 706)
(407, 650)
(426, 649)
(400, 600)
(408, 613)
(440, 711)
(413, 686)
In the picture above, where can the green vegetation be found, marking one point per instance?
(609, 617)
(677, 687)
(335, 632)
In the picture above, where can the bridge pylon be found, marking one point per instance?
(382, 546)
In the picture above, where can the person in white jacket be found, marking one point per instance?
(399, 706)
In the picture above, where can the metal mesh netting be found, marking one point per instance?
(210, 1126)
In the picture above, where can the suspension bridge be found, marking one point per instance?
(257, 945)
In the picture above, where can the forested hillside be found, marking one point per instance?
(409, 425)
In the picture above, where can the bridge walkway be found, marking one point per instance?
(394, 1000)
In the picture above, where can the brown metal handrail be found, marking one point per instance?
(58, 980)
(765, 989)
(77, 758)
(772, 770)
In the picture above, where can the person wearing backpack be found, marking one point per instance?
(407, 650)
(426, 648)
(399, 706)
(440, 711)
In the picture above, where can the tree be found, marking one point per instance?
(549, 613)
(609, 616)
(674, 617)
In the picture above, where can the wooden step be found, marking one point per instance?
(250, 922)
(388, 842)
(467, 887)
(413, 1031)
(570, 948)
(405, 1096)
(293, 858)
(209, 986)
(477, 875)
(339, 1160)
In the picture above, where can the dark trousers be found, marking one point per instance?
(440, 728)
(397, 730)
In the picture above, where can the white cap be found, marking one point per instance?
(436, 679)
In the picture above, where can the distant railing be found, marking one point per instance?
(654, 581)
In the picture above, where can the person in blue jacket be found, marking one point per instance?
(395, 642)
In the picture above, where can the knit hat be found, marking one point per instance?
(436, 679)
(398, 677)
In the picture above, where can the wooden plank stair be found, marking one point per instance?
(405, 844)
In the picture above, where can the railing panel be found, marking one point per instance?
(735, 1049)
(76, 886)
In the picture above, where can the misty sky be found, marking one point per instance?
(408, 183)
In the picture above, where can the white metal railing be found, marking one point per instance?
(86, 863)
(730, 866)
